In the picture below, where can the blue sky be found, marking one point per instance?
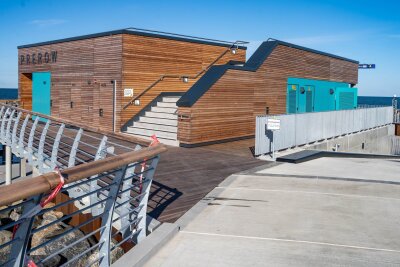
(367, 31)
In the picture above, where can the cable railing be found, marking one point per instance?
(232, 48)
(43, 229)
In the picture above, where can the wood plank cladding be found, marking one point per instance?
(80, 78)
(145, 59)
(81, 75)
(228, 109)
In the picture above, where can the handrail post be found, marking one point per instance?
(40, 158)
(14, 144)
(74, 192)
(30, 140)
(124, 209)
(72, 155)
(22, 235)
(22, 136)
(7, 136)
(100, 154)
(143, 200)
(56, 144)
(3, 121)
(106, 219)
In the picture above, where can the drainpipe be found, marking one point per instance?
(114, 105)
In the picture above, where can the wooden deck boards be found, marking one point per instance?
(185, 175)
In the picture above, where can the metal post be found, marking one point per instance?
(22, 167)
(114, 105)
(106, 219)
(142, 215)
(100, 154)
(273, 146)
(8, 165)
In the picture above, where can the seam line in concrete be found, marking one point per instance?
(348, 179)
(292, 241)
(306, 192)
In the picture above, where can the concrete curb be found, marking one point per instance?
(142, 252)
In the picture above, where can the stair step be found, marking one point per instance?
(167, 105)
(161, 115)
(164, 110)
(148, 133)
(156, 127)
(170, 99)
(159, 121)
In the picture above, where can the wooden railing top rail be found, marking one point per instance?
(46, 182)
(115, 135)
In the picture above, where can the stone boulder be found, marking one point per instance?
(5, 236)
(115, 255)
(54, 231)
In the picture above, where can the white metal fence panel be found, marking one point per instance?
(300, 129)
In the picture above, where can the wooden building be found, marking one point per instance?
(188, 91)
(223, 104)
(92, 78)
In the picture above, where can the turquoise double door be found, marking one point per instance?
(300, 98)
(41, 91)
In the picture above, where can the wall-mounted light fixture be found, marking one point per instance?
(331, 91)
(71, 104)
(185, 79)
(233, 50)
(137, 102)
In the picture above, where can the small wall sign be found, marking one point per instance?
(128, 92)
(273, 124)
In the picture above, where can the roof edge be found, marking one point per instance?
(140, 32)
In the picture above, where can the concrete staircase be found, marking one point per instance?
(159, 119)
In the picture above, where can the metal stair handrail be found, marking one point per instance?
(178, 76)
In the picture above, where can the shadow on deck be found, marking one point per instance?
(185, 175)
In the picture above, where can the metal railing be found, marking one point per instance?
(67, 233)
(234, 45)
(301, 129)
(397, 116)
(103, 204)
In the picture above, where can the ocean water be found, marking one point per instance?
(8, 93)
(377, 100)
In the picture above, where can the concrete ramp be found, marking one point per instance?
(330, 212)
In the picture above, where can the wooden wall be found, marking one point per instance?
(145, 59)
(85, 68)
(397, 129)
(81, 74)
(228, 109)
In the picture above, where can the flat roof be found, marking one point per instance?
(148, 33)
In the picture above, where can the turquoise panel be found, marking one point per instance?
(291, 100)
(41, 92)
(346, 98)
(319, 95)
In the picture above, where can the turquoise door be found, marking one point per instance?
(309, 98)
(41, 92)
(302, 99)
(291, 98)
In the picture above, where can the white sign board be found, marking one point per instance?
(273, 124)
(128, 92)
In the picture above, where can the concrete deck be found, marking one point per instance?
(330, 212)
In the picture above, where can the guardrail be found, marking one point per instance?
(301, 129)
(65, 233)
(99, 212)
(47, 142)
